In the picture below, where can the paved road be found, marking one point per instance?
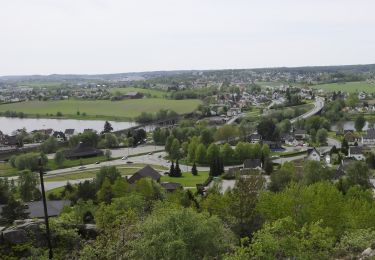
(318, 105)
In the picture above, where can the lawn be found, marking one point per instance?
(101, 109)
(152, 92)
(348, 87)
(187, 179)
(7, 171)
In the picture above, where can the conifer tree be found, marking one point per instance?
(177, 170)
(194, 170)
(172, 170)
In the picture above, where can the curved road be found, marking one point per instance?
(318, 105)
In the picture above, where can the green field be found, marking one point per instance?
(152, 92)
(187, 179)
(101, 109)
(348, 87)
(7, 171)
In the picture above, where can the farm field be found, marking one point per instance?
(152, 92)
(348, 87)
(101, 109)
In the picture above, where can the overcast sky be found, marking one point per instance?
(109, 36)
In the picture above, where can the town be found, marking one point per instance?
(266, 134)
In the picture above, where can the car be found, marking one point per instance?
(81, 167)
(97, 162)
(159, 156)
(129, 162)
(124, 158)
(150, 153)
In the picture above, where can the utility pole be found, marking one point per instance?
(45, 209)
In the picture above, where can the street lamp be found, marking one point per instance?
(45, 208)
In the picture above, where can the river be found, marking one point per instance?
(8, 125)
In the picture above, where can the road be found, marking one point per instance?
(318, 105)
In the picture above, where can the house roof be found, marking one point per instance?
(311, 150)
(69, 131)
(255, 137)
(82, 150)
(370, 134)
(252, 163)
(300, 132)
(145, 172)
(356, 150)
(58, 133)
(36, 210)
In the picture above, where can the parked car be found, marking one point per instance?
(124, 158)
(129, 162)
(81, 167)
(97, 162)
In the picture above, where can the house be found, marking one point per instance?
(356, 152)
(133, 95)
(60, 136)
(300, 134)
(252, 164)
(369, 137)
(11, 140)
(69, 133)
(35, 208)
(351, 137)
(289, 139)
(145, 172)
(312, 155)
(255, 138)
(171, 186)
(83, 150)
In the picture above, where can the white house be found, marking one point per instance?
(356, 152)
(369, 137)
(313, 155)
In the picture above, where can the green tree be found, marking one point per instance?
(108, 154)
(107, 127)
(321, 136)
(227, 153)
(105, 193)
(168, 234)
(110, 172)
(200, 154)
(27, 186)
(174, 152)
(283, 239)
(358, 174)
(172, 170)
(213, 152)
(13, 210)
(194, 169)
(359, 123)
(226, 132)
(60, 158)
(49, 146)
(177, 170)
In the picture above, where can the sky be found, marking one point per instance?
(114, 36)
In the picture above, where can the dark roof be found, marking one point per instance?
(300, 132)
(145, 172)
(11, 140)
(83, 150)
(35, 208)
(342, 168)
(69, 131)
(356, 150)
(171, 186)
(252, 163)
(255, 137)
(310, 150)
(370, 134)
(58, 133)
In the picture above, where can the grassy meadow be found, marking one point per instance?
(101, 109)
(347, 87)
